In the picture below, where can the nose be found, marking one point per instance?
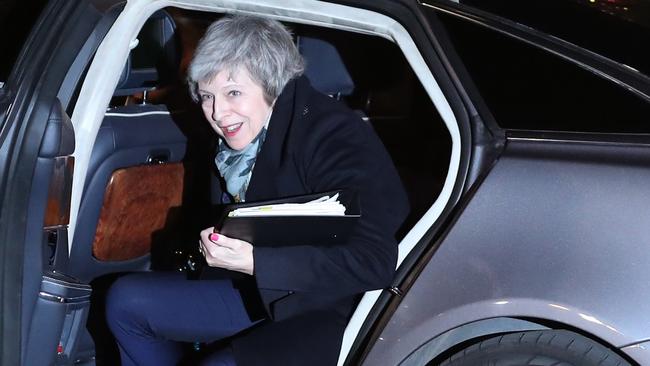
(220, 109)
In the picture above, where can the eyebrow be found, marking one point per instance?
(234, 83)
(225, 86)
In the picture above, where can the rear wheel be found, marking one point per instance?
(538, 348)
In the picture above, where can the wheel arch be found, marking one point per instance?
(451, 339)
(445, 344)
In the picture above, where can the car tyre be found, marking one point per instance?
(539, 348)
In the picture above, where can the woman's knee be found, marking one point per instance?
(126, 300)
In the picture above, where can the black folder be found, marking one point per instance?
(291, 230)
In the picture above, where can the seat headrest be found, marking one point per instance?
(325, 68)
(155, 59)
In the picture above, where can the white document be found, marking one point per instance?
(323, 206)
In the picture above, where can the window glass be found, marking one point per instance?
(16, 20)
(617, 29)
(526, 87)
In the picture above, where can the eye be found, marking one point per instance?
(234, 93)
(205, 97)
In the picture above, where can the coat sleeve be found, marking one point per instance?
(343, 153)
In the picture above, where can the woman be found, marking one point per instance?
(278, 138)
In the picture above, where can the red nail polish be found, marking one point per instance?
(214, 237)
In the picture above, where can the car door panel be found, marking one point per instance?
(54, 304)
(58, 319)
(37, 141)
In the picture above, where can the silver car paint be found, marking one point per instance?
(639, 352)
(557, 231)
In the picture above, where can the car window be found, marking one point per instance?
(616, 29)
(16, 20)
(526, 87)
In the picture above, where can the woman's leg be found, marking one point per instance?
(150, 312)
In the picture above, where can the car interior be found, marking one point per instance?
(148, 192)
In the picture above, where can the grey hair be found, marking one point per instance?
(263, 46)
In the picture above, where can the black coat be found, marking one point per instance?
(316, 144)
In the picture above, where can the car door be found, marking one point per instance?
(42, 307)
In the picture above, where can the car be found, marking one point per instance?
(520, 132)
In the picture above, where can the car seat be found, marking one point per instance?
(139, 148)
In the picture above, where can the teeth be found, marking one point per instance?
(233, 127)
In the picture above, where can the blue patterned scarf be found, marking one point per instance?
(236, 166)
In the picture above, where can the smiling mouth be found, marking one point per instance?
(231, 130)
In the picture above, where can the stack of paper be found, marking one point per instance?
(323, 206)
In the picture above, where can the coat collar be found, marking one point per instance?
(286, 112)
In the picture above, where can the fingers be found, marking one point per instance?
(226, 242)
(205, 235)
(224, 252)
(240, 260)
(208, 236)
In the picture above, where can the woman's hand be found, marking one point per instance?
(224, 252)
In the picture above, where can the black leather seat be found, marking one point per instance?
(325, 68)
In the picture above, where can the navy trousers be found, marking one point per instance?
(150, 314)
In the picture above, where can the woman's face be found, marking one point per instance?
(235, 107)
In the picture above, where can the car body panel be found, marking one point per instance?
(557, 231)
(639, 352)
